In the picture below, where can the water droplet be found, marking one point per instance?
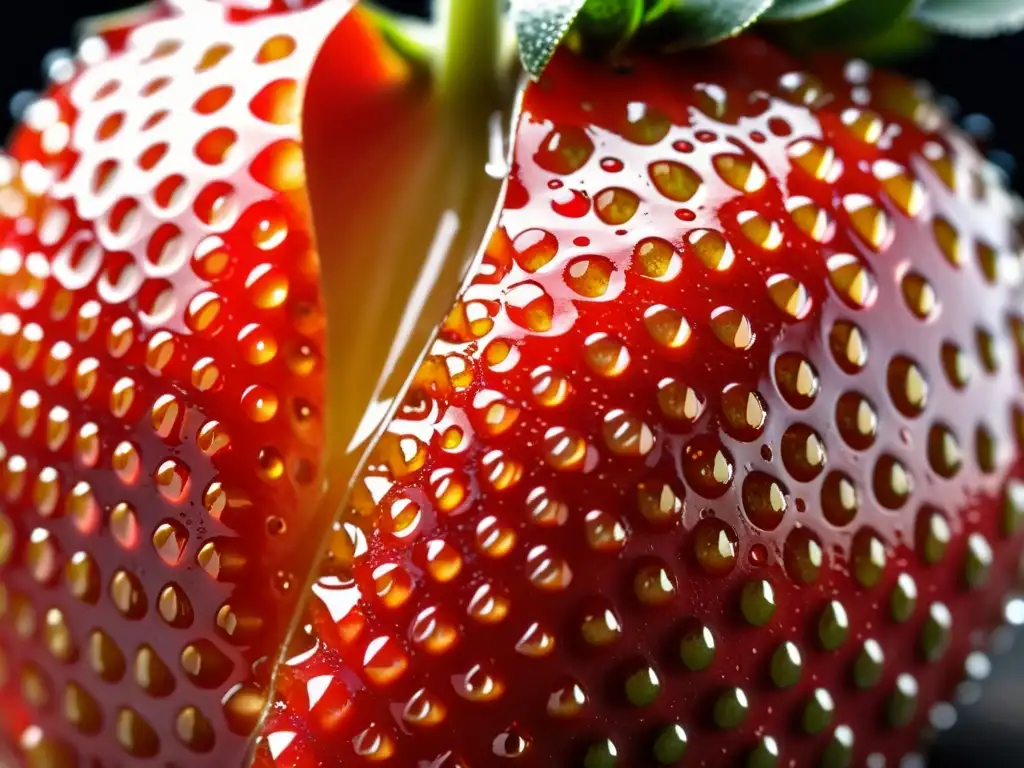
(571, 203)
(892, 483)
(816, 159)
(678, 401)
(857, 420)
(534, 248)
(674, 180)
(944, 454)
(659, 504)
(759, 230)
(565, 150)
(744, 412)
(654, 585)
(657, 259)
(644, 124)
(803, 556)
(715, 545)
(919, 296)
(852, 280)
(708, 468)
(606, 355)
(740, 172)
(589, 276)
(615, 205)
(666, 326)
(712, 249)
(803, 452)
(259, 403)
(732, 328)
(849, 346)
(764, 500)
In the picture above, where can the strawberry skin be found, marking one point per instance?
(161, 383)
(717, 459)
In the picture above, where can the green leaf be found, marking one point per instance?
(973, 18)
(655, 9)
(851, 22)
(605, 26)
(794, 10)
(908, 38)
(541, 25)
(691, 23)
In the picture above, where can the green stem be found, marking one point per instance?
(415, 39)
(469, 59)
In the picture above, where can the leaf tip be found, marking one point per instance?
(540, 26)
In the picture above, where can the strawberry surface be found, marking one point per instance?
(161, 385)
(717, 459)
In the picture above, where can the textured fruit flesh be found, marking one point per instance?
(716, 455)
(161, 383)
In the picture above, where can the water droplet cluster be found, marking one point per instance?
(160, 387)
(711, 457)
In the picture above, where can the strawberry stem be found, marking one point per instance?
(469, 64)
(413, 38)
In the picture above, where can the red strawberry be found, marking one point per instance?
(162, 381)
(715, 455)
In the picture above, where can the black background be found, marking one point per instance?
(981, 77)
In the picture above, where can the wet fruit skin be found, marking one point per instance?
(161, 383)
(716, 460)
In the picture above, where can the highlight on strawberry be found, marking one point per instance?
(597, 383)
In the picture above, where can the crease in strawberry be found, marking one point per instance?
(713, 455)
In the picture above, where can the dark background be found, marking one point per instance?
(980, 77)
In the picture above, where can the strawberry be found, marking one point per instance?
(162, 380)
(717, 455)
(715, 458)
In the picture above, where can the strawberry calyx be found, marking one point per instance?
(607, 27)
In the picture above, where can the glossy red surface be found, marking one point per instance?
(715, 454)
(161, 385)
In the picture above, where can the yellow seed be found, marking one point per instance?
(675, 181)
(666, 326)
(741, 172)
(732, 328)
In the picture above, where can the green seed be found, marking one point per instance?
(765, 754)
(839, 752)
(904, 598)
(602, 754)
(643, 686)
(601, 627)
(1013, 507)
(786, 665)
(978, 561)
(697, 649)
(757, 602)
(670, 746)
(833, 626)
(933, 537)
(936, 631)
(868, 559)
(902, 701)
(731, 708)
(818, 711)
(803, 557)
(867, 669)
